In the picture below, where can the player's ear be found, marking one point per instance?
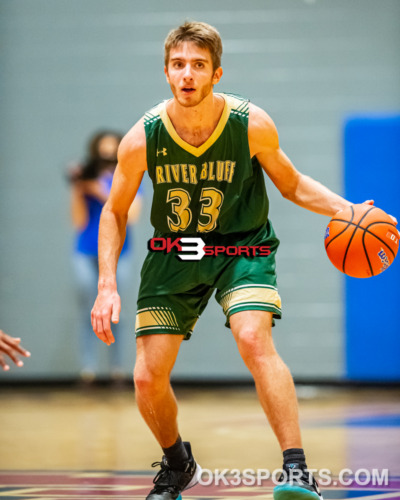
(217, 75)
(166, 73)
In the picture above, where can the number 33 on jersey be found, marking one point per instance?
(213, 187)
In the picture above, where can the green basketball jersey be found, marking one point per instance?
(214, 187)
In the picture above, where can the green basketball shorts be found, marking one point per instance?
(173, 292)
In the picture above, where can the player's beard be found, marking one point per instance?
(196, 98)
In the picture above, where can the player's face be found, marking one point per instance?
(190, 73)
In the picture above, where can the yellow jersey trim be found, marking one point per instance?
(197, 151)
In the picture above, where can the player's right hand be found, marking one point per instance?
(106, 309)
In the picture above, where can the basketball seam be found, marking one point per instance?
(352, 236)
(371, 224)
(377, 237)
(366, 254)
(348, 245)
(357, 225)
(337, 235)
(365, 229)
(341, 232)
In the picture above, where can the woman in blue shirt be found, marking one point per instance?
(91, 184)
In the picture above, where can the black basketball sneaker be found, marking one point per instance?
(169, 483)
(296, 483)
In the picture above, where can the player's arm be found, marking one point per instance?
(135, 210)
(293, 185)
(127, 178)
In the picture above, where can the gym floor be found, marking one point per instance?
(67, 443)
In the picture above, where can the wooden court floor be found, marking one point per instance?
(75, 443)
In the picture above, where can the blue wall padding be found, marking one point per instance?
(372, 171)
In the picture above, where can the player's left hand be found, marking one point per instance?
(371, 202)
(11, 346)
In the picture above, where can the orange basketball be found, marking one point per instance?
(361, 241)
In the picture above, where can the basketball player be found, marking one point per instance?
(11, 346)
(205, 153)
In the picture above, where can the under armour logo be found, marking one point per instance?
(163, 152)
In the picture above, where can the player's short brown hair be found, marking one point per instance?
(202, 34)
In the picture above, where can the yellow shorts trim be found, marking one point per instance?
(152, 318)
(250, 296)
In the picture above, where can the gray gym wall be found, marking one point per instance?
(70, 67)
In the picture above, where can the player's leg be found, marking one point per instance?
(155, 358)
(162, 323)
(276, 391)
(169, 304)
(274, 383)
(247, 292)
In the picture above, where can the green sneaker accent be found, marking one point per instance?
(292, 492)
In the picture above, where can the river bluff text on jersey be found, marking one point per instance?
(190, 174)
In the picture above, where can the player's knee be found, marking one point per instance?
(144, 383)
(254, 344)
(149, 382)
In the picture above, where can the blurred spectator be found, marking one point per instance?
(90, 187)
(11, 346)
